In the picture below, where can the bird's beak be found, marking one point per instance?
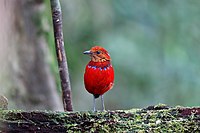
(87, 52)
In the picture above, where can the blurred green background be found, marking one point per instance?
(154, 47)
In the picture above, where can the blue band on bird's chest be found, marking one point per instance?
(100, 68)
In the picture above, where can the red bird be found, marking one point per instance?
(99, 73)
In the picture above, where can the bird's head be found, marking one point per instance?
(98, 54)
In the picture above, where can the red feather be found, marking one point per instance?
(98, 77)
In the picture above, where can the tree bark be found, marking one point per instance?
(26, 79)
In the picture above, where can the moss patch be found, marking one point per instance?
(159, 118)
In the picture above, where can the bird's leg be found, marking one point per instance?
(102, 103)
(94, 103)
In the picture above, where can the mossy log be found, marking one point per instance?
(159, 118)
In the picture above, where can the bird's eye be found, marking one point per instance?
(98, 52)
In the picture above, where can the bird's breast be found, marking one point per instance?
(98, 78)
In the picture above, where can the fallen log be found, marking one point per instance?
(158, 118)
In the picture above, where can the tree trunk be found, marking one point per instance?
(26, 79)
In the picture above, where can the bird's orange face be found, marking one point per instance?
(98, 54)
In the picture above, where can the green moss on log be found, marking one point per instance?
(159, 118)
